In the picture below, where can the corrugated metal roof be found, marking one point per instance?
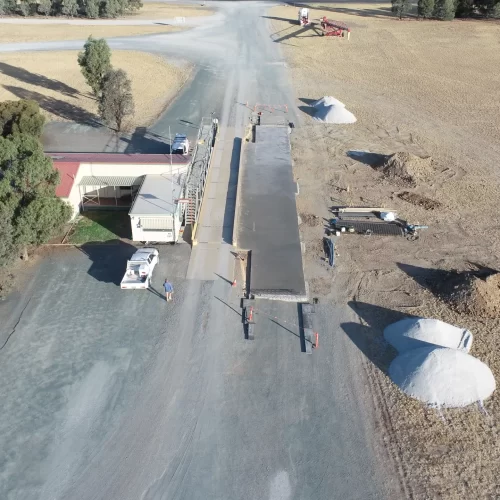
(118, 158)
(158, 196)
(67, 172)
(110, 181)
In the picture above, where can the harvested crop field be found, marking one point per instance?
(411, 91)
(54, 80)
(17, 33)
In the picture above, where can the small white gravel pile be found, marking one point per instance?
(412, 333)
(442, 376)
(331, 110)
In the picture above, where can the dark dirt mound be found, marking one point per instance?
(310, 220)
(419, 200)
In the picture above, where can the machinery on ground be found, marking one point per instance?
(304, 17)
(334, 28)
(140, 269)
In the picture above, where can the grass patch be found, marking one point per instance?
(99, 227)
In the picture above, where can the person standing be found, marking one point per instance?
(169, 289)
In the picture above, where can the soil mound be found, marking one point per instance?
(474, 295)
(442, 376)
(413, 333)
(407, 167)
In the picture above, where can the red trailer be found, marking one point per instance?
(334, 28)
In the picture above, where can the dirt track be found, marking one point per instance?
(413, 91)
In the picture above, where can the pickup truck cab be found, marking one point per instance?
(180, 145)
(140, 269)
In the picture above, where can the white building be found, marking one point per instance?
(106, 180)
(156, 214)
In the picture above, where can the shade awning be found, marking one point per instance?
(110, 181)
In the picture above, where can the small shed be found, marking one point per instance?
(156, 214)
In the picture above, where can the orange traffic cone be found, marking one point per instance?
(234, 282)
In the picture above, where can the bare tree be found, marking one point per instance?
(116, 101)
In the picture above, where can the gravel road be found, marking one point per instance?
(118, 395)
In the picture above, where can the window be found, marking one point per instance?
(157, 223)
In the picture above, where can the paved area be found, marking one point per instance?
(267, 216)
(110, 394)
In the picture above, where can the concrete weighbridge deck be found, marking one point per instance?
(267, 222)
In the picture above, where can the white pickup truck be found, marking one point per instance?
(140, 269)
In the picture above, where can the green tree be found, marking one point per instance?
(425, 8)
(95, 62)
(21, 117)
(133, 5)
(69, 8)
(38, 221)
(91, 8)
(444, 9)
(464, 8)
(27, 190)
(113, 8)
(7, 245)
(44, 7)
(401, 7)
(24, 7)
(116, 100)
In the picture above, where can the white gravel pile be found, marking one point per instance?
(412, 333)
(331, 110)
(442, 376)
(328, 100)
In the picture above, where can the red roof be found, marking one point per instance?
(67, 171)
(58, 158)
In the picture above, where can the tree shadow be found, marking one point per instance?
(108, 260)
(57, 107)
(143, 140)
(371, 159)
(26, 76)
(371, 12)
(369, 339)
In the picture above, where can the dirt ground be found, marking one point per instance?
(54, 80)
(17, 33)
(412, 91)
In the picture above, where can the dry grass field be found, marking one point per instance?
(154, 10)
(428, 88)
(54, 80)
(18, 33)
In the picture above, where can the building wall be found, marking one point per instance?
(138, 234)
(115, 170)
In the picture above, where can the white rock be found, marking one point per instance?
(412, 333)
(442, 376)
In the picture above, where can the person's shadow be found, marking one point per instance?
(156, 292)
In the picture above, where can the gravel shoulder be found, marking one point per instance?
(410, 89)
(54, 80)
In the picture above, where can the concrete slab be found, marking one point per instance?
(206, 264)
(267, 219)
